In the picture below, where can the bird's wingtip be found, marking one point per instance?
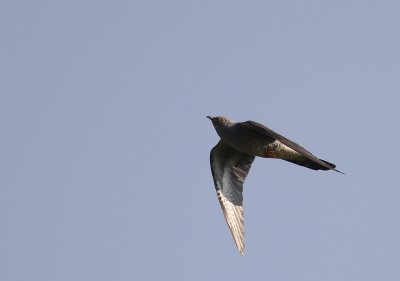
(338, 171)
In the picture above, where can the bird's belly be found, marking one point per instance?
(277, 149)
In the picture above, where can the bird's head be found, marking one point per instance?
(220, 123)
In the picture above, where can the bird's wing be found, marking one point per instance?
(229, 169)
(296, 147)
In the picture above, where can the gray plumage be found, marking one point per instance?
(232, 157)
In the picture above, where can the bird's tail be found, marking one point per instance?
(333, 166)
(315, 165)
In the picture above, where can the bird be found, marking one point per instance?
(232, 157)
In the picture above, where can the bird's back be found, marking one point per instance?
(246, 140)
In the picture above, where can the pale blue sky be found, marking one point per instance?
(104, 148)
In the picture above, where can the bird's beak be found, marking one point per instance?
(209, 117)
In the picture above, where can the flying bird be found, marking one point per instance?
(232, 157)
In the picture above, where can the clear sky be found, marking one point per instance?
(104, 145)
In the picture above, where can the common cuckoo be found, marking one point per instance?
(232, 157)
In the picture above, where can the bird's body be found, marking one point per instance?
(245, 140)
(232, 157)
